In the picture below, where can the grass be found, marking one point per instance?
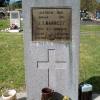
(11, 61)
(90, 28)
(90, 60)
(11, 58)
(4, 23)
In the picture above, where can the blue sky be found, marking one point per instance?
(13, 1)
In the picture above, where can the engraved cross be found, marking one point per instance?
(52, 65)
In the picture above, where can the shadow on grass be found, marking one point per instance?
(95, 82)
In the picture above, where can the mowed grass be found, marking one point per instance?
(90, 28)
(11, 61)
(12, 66)
(90, 60)
(4, 23)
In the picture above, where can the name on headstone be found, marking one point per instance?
(51, 24)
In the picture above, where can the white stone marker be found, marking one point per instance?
(15, 18)
(51, 38)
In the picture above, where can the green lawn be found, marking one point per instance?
(90, 60)
(12, 67)
(90, 28)
(4, 23)
(11, 61)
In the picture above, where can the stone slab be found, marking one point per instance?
(15, 18)
(63, 81)
(14, 31)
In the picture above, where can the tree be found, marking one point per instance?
(4, 3)
(87, 4)
(17, 4)
(90, 5)
(98, 7)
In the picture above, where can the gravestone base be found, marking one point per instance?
(14, 30)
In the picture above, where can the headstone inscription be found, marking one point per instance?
(15, 18)
(51, 38)
(51, 23)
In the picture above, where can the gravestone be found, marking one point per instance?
(15, 18)
(51, 38)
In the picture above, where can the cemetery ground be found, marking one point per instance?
(11, 61)
(12, 67)
(4, 24)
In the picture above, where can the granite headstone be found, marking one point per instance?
(51, 45)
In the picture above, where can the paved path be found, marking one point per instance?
(22, 96)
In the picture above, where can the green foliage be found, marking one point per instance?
(90, 5)
(4, 3)
(98, 7)
(17, 5)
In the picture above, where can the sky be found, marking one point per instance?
(13, 1)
